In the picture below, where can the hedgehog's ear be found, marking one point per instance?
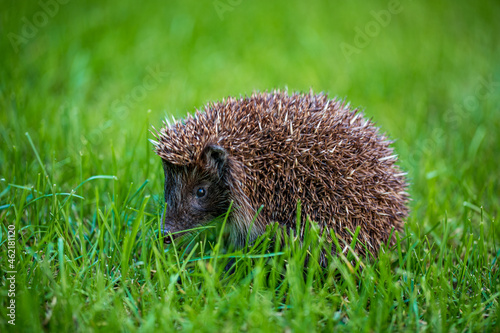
(216, 158)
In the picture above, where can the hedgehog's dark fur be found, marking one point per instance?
(273, 149)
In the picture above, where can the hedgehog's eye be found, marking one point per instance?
(200, 192)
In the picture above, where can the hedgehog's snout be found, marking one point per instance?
(166, 230)
(168, 235)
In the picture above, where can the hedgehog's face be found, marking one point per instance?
(195, 195)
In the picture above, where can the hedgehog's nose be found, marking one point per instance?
(167, 237)
(165, 230)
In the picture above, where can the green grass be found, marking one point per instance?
(82, 188)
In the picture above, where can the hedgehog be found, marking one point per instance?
(261, 155)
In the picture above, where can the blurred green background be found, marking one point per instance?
(81, 77)
(87, 79)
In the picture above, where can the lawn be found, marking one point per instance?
(81, 84)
